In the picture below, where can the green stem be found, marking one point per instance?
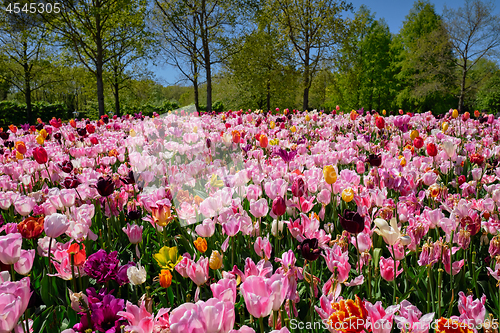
(261, 323)
(73, 272)
(395, 273)
(440, 284)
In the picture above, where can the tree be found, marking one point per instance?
(131, 44)
(315, 28)
(475, 33)
(88, 28)
(25, 43)
(202, 32)
(424, 60)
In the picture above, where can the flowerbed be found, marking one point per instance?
(251, 222)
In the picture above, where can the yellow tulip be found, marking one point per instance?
(293, 129)
(330, 174)
(454, 114)
(403, 162)
(445, 126)
(414, 134)
(272, 124)
(19, 156)
(40, 140)
(348, 194)
(167, 257)
(307, 117)
(44, 133)
(132, 133)
(384, 112)
(215, 260)
(195, 129)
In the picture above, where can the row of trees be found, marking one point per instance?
(254, 53)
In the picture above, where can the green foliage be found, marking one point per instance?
(488, 97)
(12, 112)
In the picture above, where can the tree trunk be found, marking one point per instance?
(99, 64)
(305, 102)
(462, 87)
(27, 92)
(194, 60)
(206, 53)
(268, 95)
(116, 91)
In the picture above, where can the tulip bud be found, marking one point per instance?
(418, 142)
(200, 244)
(215, 260)
(431, 149)
(136, 275)
(445, 126)
(347, 194)
(454, 114)
(329, 174)
(263, 141)
(380, 122)
(279, 206)
(40, 155)
(165, 278)
(414, 134)
(384, 112)
(465, 116)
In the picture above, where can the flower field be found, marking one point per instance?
(248, 221)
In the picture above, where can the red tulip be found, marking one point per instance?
(263, 141)
(465, 116)
(94, 140)
(90, 128)
(418, 142)
(279, 206)
(432, 149)
(461, 180)
(380, 122)
(40, 155)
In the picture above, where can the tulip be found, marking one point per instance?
(445, 126)
(136, 275)
(431, 149)
(263, 141)
(25, 263)
(200, 244)
(279, 206)
(258, 296)
(298, 188)
(55, 225)
(348, 194)
(21, 147)
(10, 248)
(134, 233)
(329, 174)
(14, 298)
(352, 222)
(454, 114)
(161, 214)
(105, 186)
(225, 290)
(418, 142)
(375, 160)
(263, 247)
(215, 260)
(79, 255)
(309, 249)
(414, 134)
(387, 269)
(31, 227)
(167, 257)
(259, 208)
(380, 122)
(40, 155)
(390, 233)
(198, 272)
(165, 278)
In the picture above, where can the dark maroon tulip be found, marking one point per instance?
(71, 182)
(81, 131)
(375, 160)
(65, 166)
(134, 214)
(57, 136)
(279, 206)
(209, 143)
(40, 155)
(129, 179)
(298, 188)
(105, 186)
(4, 135)
(309, 249)
(352, 222)
(8, 144)
(39, 127)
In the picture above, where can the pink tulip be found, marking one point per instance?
(263, 248)
(206, 228)
(380, 319)
(198, 272)
(134, 233)
(24, 205)
(471, 311)
(68, 197)
(243, 329)
(181, 267)
(14, 298)
(409, 316)
(387, 268)
(254, 192)
(279, 288)
(55, 225)
(10, 248)
(25, 263)
(212, 316)
(338, 262)
(225, 290)
(259, 208)
(139, 319)
(360, 167)
(258, 296)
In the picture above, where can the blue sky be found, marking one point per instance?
(393, 11)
